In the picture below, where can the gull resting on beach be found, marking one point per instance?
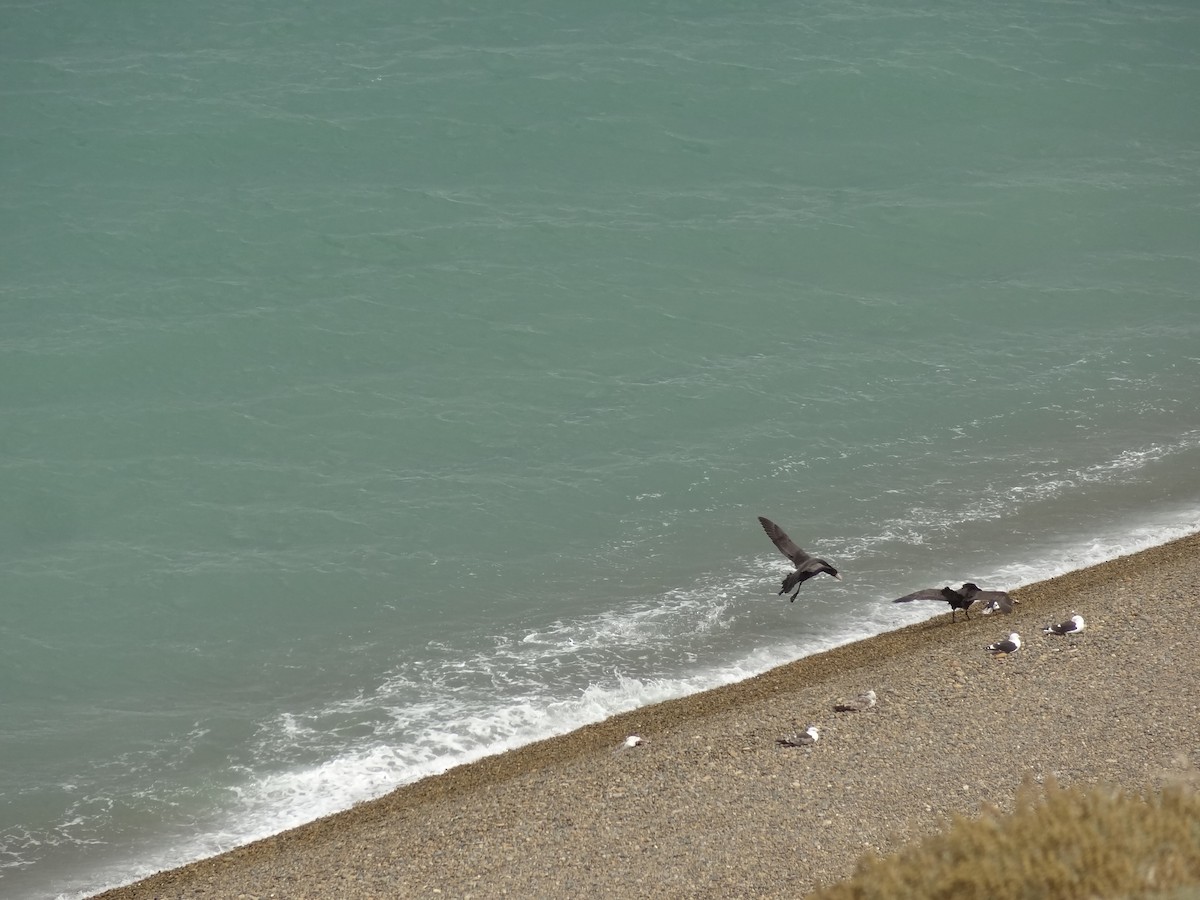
(805, 738)
(863, 701)
(1073, 625)
(806, 565)
(1003, 648)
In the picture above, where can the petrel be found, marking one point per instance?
(863, 701)
(805, 738)
(993, 601)
(957, 599)
(1012, 645)
(1073, 625)
(806, 566)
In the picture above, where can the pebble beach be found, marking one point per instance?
(710, 805)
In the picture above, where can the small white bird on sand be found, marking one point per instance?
(1012, 645)
(805, 738)
(1073, 625)
(863, 701)
(633, 740)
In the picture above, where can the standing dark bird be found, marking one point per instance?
(1003, 648)
(993, 601)
(957, 599)
(806, 566)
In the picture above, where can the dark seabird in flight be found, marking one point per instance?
(806, 566)
(1012, 645)
(863, 701)
(1073, 625)
(957, 599)
(805, 738)
(993, 601)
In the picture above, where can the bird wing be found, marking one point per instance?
(926, 594)
(996, 600)
(785, 544)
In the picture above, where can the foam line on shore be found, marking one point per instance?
(937, 687)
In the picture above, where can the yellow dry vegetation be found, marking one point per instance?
(1057, 843)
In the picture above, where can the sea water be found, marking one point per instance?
(383, 385)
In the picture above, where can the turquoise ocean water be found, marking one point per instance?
(387, 385)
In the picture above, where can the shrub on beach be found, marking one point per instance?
(1057, 843)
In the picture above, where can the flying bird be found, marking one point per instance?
(957, 599)
(805, 738)
(858, 704)
(993, 601)
(1073, 625)
(806, 565)
(1012, 645)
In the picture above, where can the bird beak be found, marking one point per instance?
(838, 577)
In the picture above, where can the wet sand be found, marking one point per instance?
(711, 806)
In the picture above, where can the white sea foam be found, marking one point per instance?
(452, 726)
(429, 722)
(375, 476)
(1080, 554)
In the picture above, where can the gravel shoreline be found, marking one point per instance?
(711, 806)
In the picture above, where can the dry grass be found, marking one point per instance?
(1058, 843)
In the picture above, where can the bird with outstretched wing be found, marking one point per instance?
(806, 564)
